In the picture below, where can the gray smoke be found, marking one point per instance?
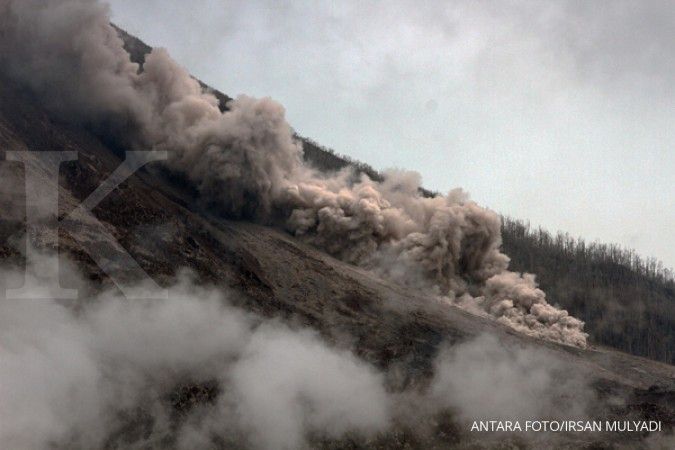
(245, 163)
(484, 379)
(85, 378)
(106, 374)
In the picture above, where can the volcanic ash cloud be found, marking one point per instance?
(245, 163)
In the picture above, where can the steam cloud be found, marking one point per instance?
(246, 164)
(483, 378)
(85, 379)
(110, 375)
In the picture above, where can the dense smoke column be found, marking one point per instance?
(245, 163)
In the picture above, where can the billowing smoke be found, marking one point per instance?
(192, 371)
(245, 163)
(114, 373)
(483, 378)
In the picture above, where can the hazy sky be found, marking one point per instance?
(560, 112)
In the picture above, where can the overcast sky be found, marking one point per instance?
(559, 112)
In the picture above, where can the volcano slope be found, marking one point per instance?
(401, 332)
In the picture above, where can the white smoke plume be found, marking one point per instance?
(84, 378)
(483, 378)
(245, 163)
(108, 372)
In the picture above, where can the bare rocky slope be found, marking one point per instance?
(154, 216)
(627, 302)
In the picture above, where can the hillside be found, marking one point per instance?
(269, 339)
(626, 303)
(392, 327)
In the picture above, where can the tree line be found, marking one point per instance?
(627, 301)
